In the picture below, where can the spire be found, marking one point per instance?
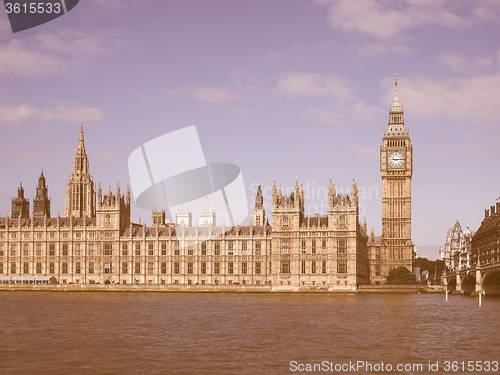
(396, 105)
(41, 180)
(81, 143)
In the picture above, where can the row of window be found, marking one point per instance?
(52, 235)
(341, 222)
(125, 268)
(108, 249)
(341, 246)
(315, 267)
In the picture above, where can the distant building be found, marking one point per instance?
(184, 219)
(457, 250)
(207, 217)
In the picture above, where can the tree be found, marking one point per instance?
(401, 276)
(435, 267)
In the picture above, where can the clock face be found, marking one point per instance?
(396, 159)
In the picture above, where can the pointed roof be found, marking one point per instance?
(41, 180)
(396, 128)
(396, 106)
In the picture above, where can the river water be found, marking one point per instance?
(160, 333)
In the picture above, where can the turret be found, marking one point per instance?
(127, 196)
(112, 211)
(20, 205)
(158, 218)
(41, 203)
(354, 193)
(259, 212)
(275, 194)
(99, 196)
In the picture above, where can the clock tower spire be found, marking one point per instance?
(396, 168)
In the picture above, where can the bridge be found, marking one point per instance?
(484, 279)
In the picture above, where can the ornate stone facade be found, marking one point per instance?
(486, 241)
(96, 242)
(457, 250)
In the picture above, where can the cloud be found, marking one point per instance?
(314, 85)
(67, 112)
(461, 64)
(342, 114)
(27, 153)
(50, 53)
(461, 99)
(379, 48)
(209, 94)
(326, 117)
(481, 144)
(388, 19)
(360, 151)
(486, 10)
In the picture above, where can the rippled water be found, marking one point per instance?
(142, 333)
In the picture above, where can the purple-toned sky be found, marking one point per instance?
(282, 88)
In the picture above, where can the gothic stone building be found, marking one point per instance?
(457, 250)
(96, 242)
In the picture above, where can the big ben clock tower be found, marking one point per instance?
(396, 168)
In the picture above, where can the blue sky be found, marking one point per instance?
(285, 89)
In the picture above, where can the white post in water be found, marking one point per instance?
(446, 293)
(480, 299)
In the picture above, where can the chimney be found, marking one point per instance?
(492, 209)
(486, 213)
(498, 207)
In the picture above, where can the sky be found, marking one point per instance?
(285, 89)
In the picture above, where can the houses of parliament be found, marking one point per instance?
(96, 242)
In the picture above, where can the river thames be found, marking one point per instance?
(161, 333)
